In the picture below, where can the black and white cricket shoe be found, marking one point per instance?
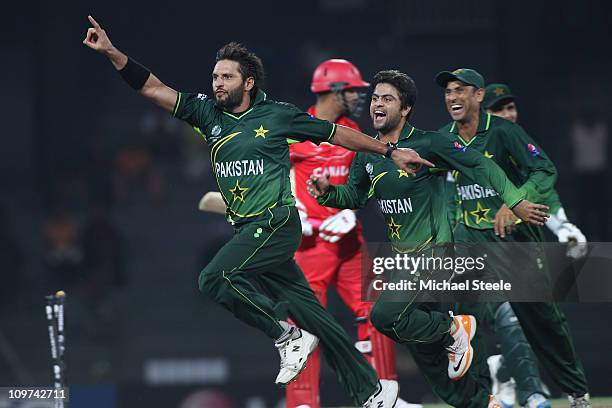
(385, 395)
(293, 353)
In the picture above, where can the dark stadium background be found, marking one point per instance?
(99, 189)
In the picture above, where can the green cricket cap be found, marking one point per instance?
(496, 93)
(466, 75)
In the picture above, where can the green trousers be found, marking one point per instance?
(543, 323)
(519, 360)
(412, 319)
(261, 252)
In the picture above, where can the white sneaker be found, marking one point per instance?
(403, 404)
(580, 402)
(461, 352)
(537, 400)
(505, 391)
(294, 353)
(385, 395)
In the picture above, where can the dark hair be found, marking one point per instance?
(250, 65)
(403, 83)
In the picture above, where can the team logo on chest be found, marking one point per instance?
(261, 132)
(216, 131)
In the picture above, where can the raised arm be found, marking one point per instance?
(137, 76)
(406, 159)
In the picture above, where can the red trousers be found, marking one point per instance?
(340, 265)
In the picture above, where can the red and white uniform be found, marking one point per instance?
(339, 264)
(322, 262)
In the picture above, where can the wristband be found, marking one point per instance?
(134, 74)
(390, 148)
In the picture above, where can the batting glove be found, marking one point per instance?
(576, 241)
(337, 226)
(568, 233)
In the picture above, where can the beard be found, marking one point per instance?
(233, 99)
(391, 123)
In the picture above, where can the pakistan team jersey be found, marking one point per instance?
(249, 152)
(525, 164)
(415, 206)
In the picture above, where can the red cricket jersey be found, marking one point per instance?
(307, 158)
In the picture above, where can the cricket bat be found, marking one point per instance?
(212, 202)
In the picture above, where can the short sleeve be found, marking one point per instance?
(304, 126)
(193, 108)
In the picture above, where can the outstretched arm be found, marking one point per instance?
(406, 159)
(136, 75)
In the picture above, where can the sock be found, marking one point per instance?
(289, 330)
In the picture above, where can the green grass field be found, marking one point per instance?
(600, 402)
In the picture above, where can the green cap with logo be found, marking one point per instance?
(466, 75)
(496, 94)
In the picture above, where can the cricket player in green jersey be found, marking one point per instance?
(247, 134)
(482, 220)
(415, 212)
(511, 380)
(500, 101)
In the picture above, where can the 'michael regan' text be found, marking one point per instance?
(237, 168)
(475, 191)
(399, 206)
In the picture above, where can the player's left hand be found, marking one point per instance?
(409, 160)
(504, 222)
(531, 213)
(338, 225)
(576, 241)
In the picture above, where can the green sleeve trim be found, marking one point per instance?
(292, 141)
(176, 104)
(333, 132)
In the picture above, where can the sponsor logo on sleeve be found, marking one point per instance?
(533, 150)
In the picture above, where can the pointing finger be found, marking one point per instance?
(93, 22)
(425, 162)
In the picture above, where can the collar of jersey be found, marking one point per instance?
(484, 123)
(406, 132)
(259, 98)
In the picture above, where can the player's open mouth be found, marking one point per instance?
(378, 114)
(456, 108)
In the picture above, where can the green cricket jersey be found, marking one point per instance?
(249, 152)
(415, 206)
(523, 161)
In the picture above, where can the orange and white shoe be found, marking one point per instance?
(461, 353)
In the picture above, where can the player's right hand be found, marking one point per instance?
(96, 38)
(535, 214)
(318, 186)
